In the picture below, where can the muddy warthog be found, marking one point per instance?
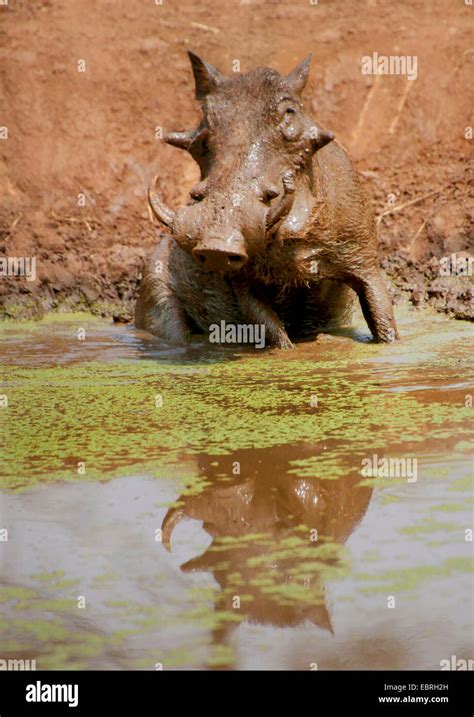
(277, 232)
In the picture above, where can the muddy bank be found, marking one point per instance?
(81, 146)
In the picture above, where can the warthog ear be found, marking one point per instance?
(206, 76)
(320, 137)
(299, 76)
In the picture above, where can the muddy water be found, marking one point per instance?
(278, 551)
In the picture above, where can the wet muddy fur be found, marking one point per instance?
(278, 231)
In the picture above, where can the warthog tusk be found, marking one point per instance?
(164, 214)
(170, 521)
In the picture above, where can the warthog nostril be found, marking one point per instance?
(219, 260)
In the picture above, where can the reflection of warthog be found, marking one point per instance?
(263, 528)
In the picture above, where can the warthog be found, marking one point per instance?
(278, 231)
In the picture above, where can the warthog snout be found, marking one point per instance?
(222, 254)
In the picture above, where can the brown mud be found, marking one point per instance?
(94, 133)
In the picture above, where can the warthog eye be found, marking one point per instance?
(198, 192)
(269, 193)
(287, 106)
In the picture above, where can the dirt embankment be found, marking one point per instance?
(85, 87)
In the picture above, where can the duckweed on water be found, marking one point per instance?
(125, 417)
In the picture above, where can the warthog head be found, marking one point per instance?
(254, 147)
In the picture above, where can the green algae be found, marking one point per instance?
(428, 526)
(106, 416)
(408, 579)
(326, 467)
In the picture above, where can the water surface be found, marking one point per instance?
(277, 552)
